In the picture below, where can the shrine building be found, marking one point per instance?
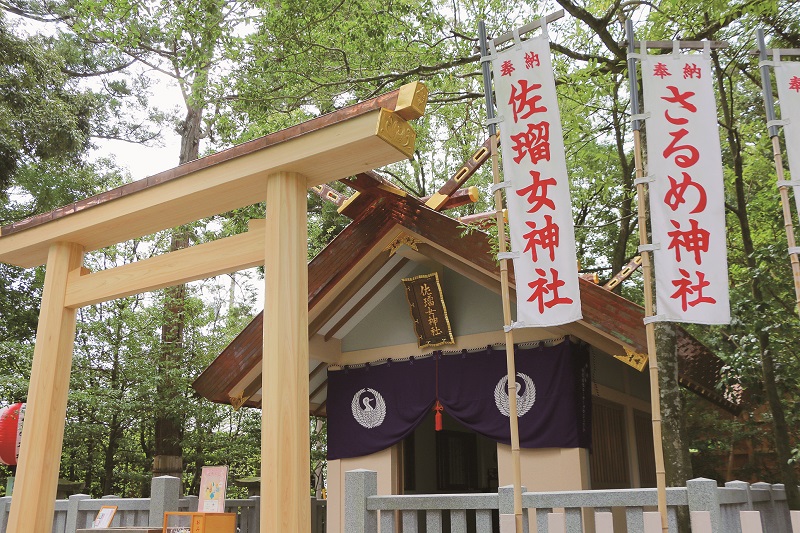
(405, 317)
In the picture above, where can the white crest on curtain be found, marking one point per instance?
(525, 399)
(368, 415)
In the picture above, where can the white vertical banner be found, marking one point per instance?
(687, 200)
(539, 204)
(787, 74)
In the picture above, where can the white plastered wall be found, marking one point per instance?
(545, 469)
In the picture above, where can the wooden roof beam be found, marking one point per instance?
(483, 220)
(364, 198)
(367, 297)
(326, 192)
(324, 315)
(440, 199)
(364, 181)
(254, 386)
(625, 273)
(469, 195)
(316, 391)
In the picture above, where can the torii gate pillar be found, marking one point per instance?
(43, 430)
(285, 441)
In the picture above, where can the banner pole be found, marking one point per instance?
(769, 104)
(486, 69)
(655, 394)
(505, 293)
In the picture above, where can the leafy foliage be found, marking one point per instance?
(42, 115)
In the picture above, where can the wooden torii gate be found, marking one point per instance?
(278, 169)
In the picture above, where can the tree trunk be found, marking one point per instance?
(168, 458)
(88, 475)
(168, 424)
(200, 458)
(674, 441)
(114, 436)
(673, 415)
(115, 427)
(780, 427)
(191, 132)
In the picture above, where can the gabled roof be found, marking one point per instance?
(360, 257)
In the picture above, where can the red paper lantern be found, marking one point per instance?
(11, 419)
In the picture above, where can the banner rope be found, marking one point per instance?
(437, 407)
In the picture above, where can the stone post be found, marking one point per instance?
(358, 486)
(72, 511)
(506, 496)
(703, 496)
(742, 485)
(781, 508)
(192, 503)
(5, 503)
(730, 516)
(542, 525)
(769, 513)
(165, 492)
(255, 515)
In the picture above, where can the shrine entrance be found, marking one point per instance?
(455, 460)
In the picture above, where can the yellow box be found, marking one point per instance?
(199, 522)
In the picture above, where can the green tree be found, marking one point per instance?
(46, 122)
(187, 43)
(45, 126)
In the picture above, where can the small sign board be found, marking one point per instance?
(213, 484)
(428, 311)
(104, 516)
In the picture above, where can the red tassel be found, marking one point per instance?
(438, 418)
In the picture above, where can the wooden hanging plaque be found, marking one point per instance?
(428, 311)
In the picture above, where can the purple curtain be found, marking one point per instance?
(373, 407)
(553, 394)
(376, 406)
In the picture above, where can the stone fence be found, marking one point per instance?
(738, 507)
(79, 510)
